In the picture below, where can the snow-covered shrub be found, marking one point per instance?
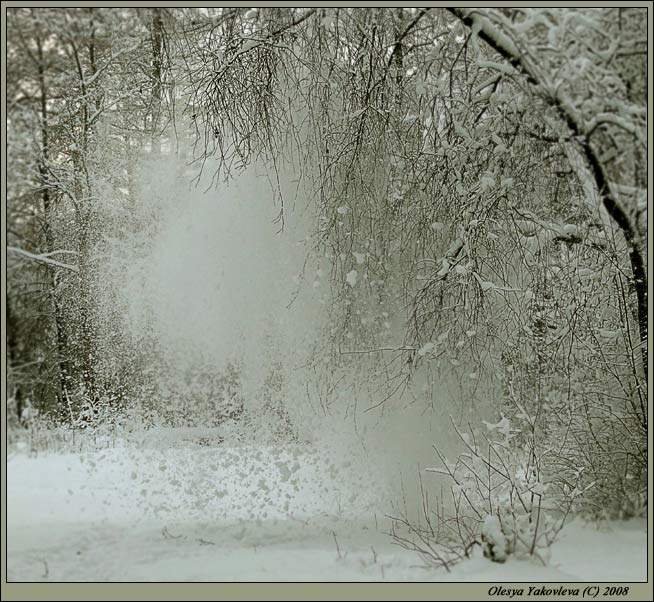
(41, 433)
(605, 451)
(495, 543)
(500, 498)
(200, 396)
(574, 366)
(271, 419)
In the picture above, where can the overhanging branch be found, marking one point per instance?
(505, 47)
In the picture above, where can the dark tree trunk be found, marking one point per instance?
(59, 322)
(157, 68)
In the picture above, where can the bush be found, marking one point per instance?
(501, 499)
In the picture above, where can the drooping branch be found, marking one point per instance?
(397, 45)
(505, 47)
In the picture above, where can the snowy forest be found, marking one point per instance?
(326, 294)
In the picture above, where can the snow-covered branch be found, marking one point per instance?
(610, 118)
(46, 258)
(501, 36)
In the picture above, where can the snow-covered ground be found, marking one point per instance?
(141, 512)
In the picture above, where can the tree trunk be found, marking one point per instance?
(157, 63)
(12, 358)
(59, 322)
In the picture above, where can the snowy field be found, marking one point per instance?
(193, 512)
